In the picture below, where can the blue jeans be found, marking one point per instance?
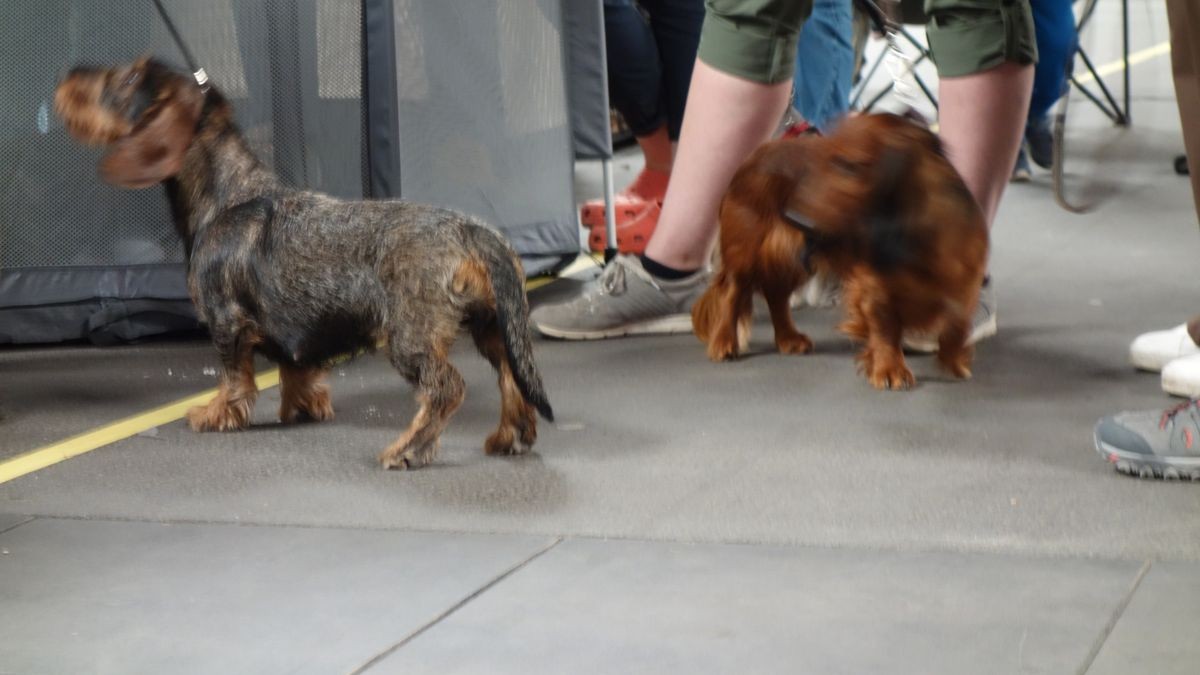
(824, 64)
(1054, 23)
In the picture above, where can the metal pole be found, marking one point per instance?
(1126, 118)
(610, 216)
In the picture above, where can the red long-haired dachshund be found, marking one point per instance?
(875, 204)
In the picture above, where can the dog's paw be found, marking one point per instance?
(957, 364)
(897, 377)
(794, 344)
(399, 463)
(719, 351)
(505, 442)
(305, 400)
(403, 459)
(317, 409)
(960, 370)
(213, 417)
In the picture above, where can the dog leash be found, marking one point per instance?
(899, 64)
(197, 72)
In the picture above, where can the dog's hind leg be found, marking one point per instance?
(731, 328)
(419, 348)
(304, 396)
(230, 409)
(954, 354)
(518, 421)
(788, 340)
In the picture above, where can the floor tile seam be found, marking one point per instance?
(450, 611)
(10, 528)
(1114, 619)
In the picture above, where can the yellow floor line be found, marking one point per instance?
(111, 433)
(1140, 56)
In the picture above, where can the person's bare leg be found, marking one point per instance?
(658, 152)
(982, 119)
(726, 118)
(657, 149)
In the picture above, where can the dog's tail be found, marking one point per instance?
(512, 315)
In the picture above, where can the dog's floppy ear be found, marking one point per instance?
(154, 150)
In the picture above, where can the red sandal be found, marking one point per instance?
(632, 236)
(649, 187)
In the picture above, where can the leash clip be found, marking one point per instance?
(197, 72)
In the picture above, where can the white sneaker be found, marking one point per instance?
(1181, 377)
(1152, 351)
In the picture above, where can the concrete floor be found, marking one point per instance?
(770, 515)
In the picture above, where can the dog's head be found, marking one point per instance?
(145, 112)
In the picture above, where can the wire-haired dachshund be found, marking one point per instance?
(301, 277)
(875, 204)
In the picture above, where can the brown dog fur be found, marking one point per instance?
(883, 210)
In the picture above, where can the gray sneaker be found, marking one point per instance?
(983, 324)
(624, 300)
(1153, 444)
(821, 290)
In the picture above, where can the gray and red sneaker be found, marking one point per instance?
(1153, 444)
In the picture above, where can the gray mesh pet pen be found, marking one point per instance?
(455, 102)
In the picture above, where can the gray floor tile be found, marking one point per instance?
(1157, 632)
(11, 520)
(627, 607)
(105, 597)
(51, 393)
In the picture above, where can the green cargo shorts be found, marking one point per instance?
(970, 36)
(756, 39)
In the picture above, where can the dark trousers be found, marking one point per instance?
(650, 60)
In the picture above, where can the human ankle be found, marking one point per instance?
(656, 148)
(664, 272)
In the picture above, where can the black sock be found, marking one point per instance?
(657, 269)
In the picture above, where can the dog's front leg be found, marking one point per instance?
(304, 396)
(787, 339)
(882, 358)
(230, 409)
